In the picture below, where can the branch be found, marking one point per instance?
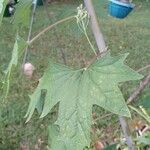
(139, 89)
(49, 27)
(143, 68)
(126, 133)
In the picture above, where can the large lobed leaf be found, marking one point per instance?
(77, 91)
(2, 8)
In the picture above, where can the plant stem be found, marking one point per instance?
(126, 133)
(143, 68)
(48, 28)
(30, 31)
(139, 89)
(90, 42)
(55, 30)
(146, 117)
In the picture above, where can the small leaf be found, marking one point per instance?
(144, 139)
(77, 91)
(22, 14)
(19, 46)
(3, 4)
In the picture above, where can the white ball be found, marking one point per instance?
(28, 69)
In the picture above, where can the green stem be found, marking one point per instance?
(90, 42)
(87, 37)
(147, 118)
(29, 33)
(48, 28)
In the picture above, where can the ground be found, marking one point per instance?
(130, 35)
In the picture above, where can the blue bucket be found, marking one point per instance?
(119, 9)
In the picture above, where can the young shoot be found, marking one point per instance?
(82, 22)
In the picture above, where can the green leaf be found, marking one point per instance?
(77, 91)
(53, 136)
(19, 46)
(2, 8)
(144, 139)
(22, 14)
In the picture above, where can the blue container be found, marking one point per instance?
(119, 9)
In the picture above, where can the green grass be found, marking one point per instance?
(130, 35)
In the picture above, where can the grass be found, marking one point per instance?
(129, 35)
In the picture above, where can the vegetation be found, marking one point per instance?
(66, 44)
